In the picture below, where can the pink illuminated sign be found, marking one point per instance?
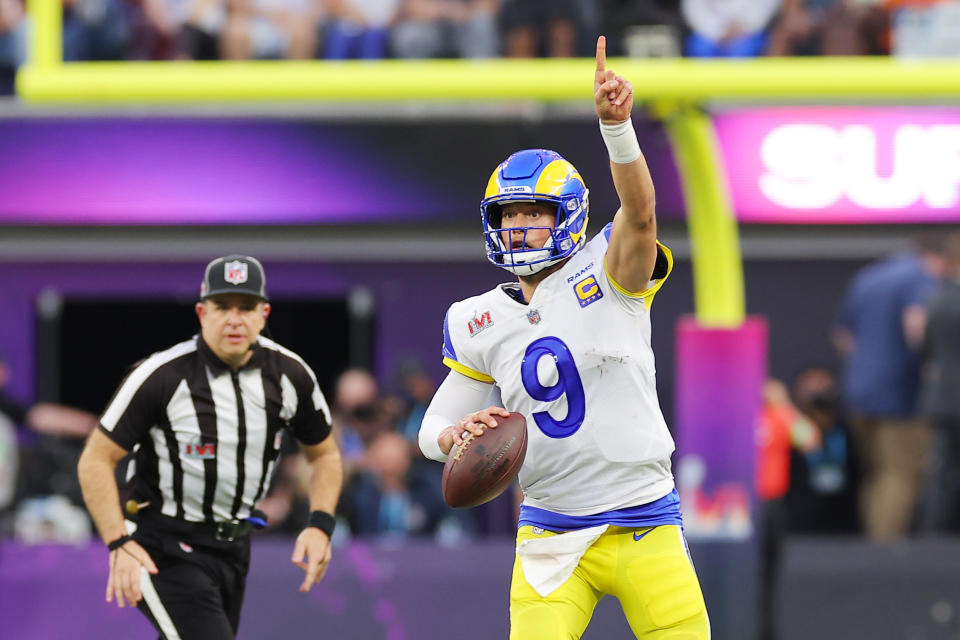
(842, 164)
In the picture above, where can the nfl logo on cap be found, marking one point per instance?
(235, 272)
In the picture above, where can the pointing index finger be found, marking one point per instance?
(313, 569)
(601, 53)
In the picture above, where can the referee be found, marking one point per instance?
(204, 419)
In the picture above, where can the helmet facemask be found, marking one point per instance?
(535, 176)
(524, 260)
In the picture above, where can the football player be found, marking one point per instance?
(568, 345)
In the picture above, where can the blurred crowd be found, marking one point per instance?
(375, 29)
(873, 449)
(418, 29)
(875, 446)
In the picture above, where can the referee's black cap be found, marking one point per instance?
(234, 274)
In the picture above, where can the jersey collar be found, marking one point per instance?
(218, 366)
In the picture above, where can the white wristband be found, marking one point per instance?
(621, 141)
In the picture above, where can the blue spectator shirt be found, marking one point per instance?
(882, 376)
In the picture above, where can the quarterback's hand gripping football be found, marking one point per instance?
(612, 94)
(474, 423)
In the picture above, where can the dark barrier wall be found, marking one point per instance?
(411, 301)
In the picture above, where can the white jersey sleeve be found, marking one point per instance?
(457, 396)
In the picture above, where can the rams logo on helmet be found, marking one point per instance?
(537, 175)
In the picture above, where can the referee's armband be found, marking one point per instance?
(323, 521)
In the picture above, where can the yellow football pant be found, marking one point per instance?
(651, 576)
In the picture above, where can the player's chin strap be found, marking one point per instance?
(526, 262)
(522, 268)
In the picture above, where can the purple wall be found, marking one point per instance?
(373, 590)
(170, 171)
(412, 590)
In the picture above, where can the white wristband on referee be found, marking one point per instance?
(621, 141)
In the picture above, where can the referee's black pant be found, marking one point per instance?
(198, 590)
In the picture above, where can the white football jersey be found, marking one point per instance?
(577, 362)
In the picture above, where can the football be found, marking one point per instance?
(482, 467)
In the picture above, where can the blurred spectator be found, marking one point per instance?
(95, 30)
(924, 28)
(533, 28)
(389, 488)
(822, 497)
(942, 348)
(271, 29)
(728, 28)
(287, 503)
(13, 40)
(40, 461)
(43, 417)
(412, 390)
(391, 496)
(827, 27)
(643, 28)
(52, 518)
(446, 28)
(182, 29)
(358, 417)
(878, 331)
(9, 465)
(780, 428)
(11, 408)
(359, 28)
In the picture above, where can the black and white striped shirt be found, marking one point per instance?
(207, 436)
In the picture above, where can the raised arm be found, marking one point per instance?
(632, 253)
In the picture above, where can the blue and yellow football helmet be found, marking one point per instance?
(535, 175)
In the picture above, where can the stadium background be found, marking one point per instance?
(363, 208)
